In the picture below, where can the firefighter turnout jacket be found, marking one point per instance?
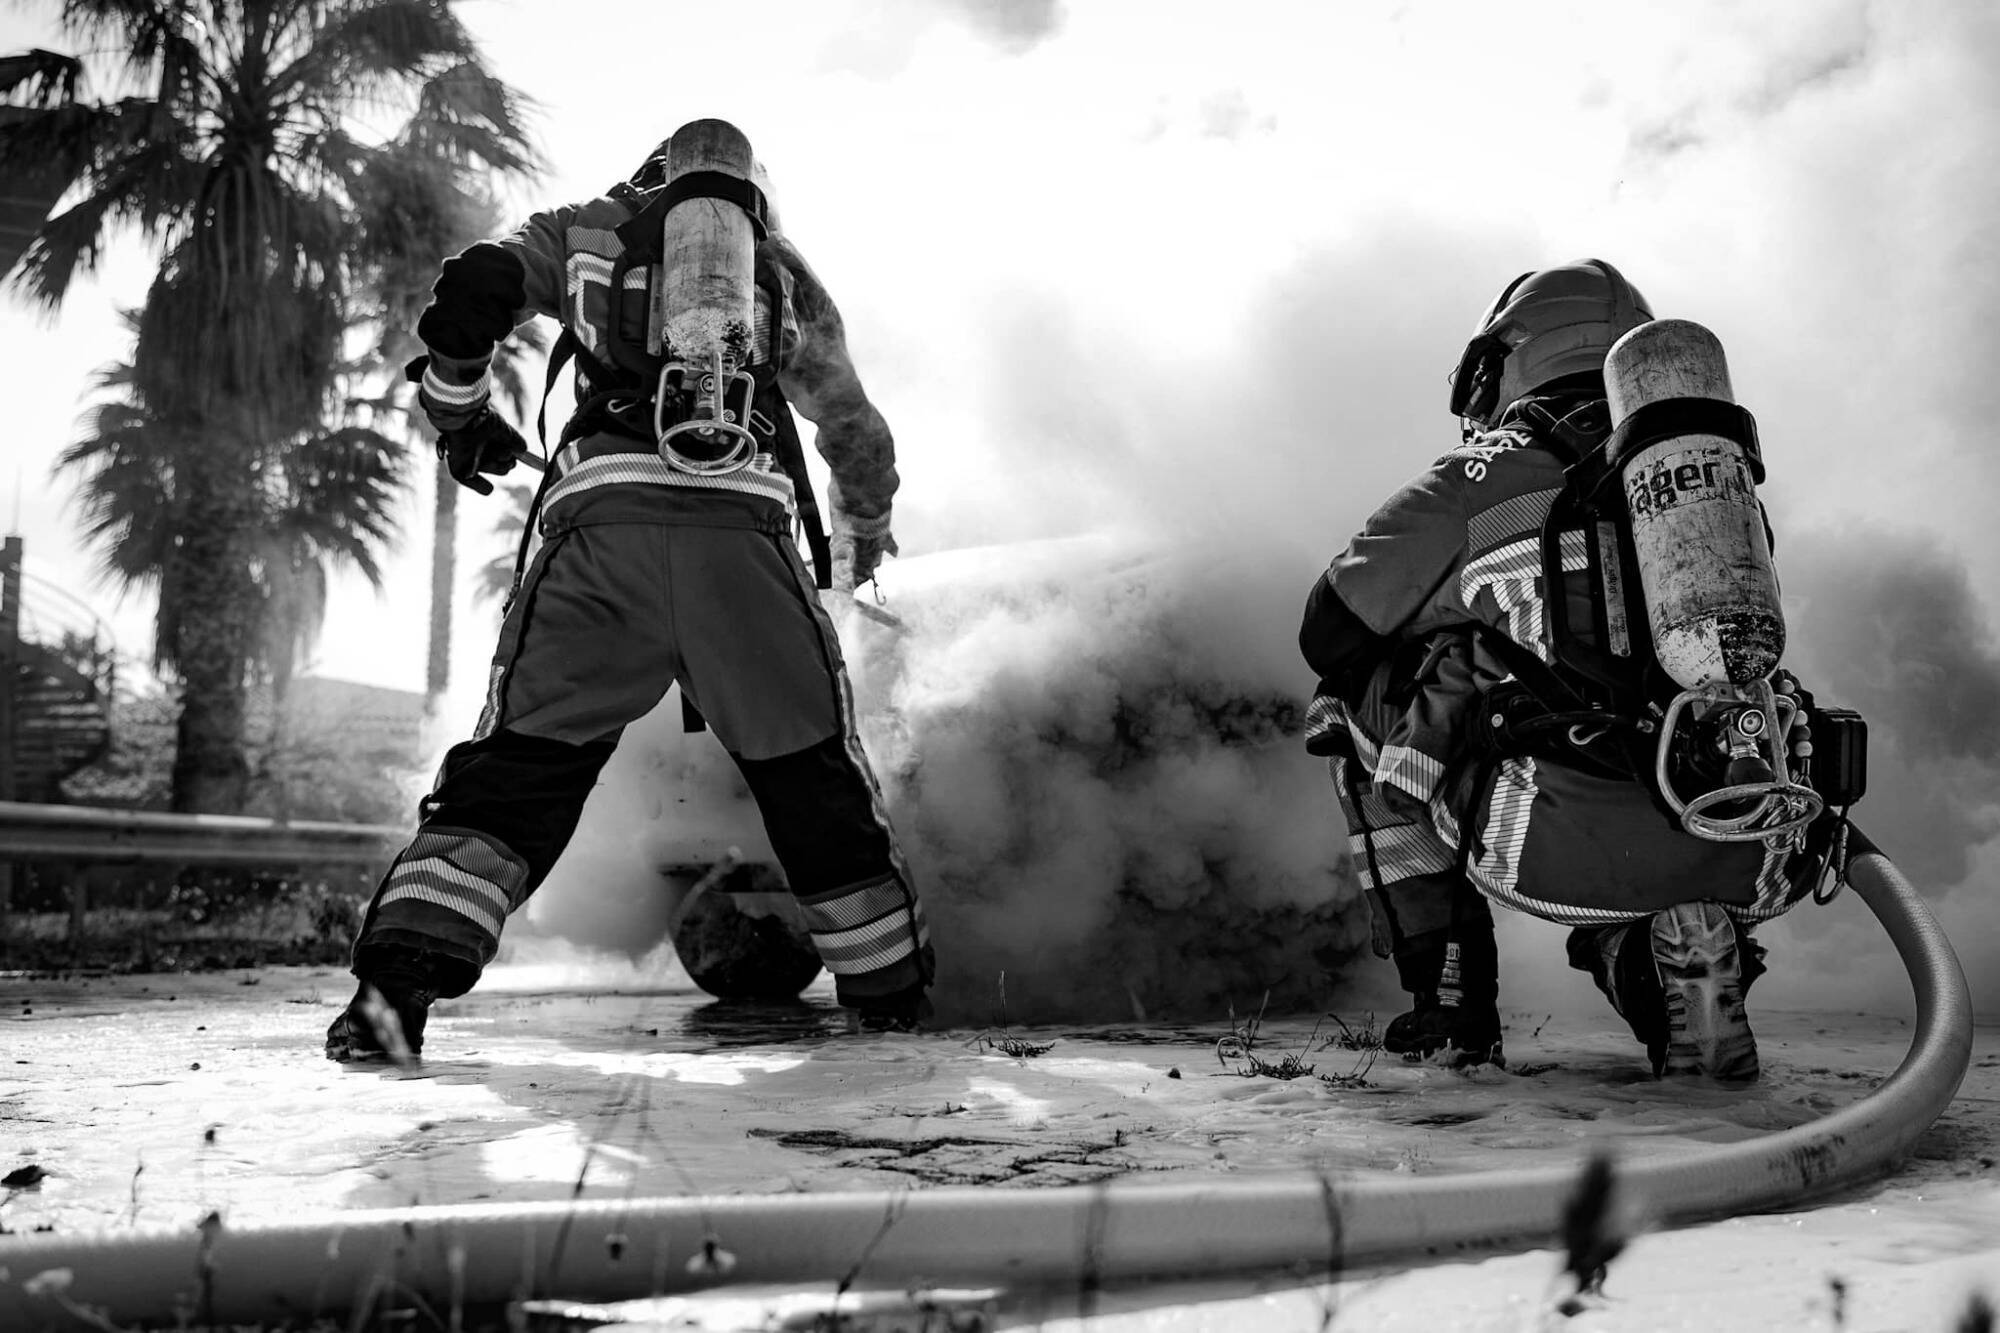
(1420, 630)
(571, 264)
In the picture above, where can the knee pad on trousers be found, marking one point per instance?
(820, 809)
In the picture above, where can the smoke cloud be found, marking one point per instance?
(1891, 625)
(1015, 24)
(1091, 756)
(1103, 791)
(1213, 314)
(1090, 746)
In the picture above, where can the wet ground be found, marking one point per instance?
(156, 1100)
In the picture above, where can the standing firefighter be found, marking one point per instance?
(667, 557)
(1497, 715)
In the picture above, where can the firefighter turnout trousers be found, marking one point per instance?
(706, 591)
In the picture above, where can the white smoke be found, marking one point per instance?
(1095, 313)
(1105, 797)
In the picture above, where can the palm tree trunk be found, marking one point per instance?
(210, 609)
(444, 577)
(211, 774)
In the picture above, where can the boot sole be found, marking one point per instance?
(1701, 976)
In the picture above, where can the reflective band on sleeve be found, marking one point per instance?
(446, 394)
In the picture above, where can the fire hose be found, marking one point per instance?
(1077, 1236)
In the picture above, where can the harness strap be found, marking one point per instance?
(791, 456)
(567, 346)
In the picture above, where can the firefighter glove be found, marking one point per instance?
(485, 443)
(858, 546)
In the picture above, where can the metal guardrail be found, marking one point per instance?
(30, 831)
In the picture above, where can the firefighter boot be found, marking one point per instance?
(1678, 980)
(385, 1019)
(905, 1010)
(1456, 986)
(1702, 979)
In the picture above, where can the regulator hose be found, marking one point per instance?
(609, 1250)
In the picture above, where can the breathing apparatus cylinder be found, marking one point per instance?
(1687, 460)
(704, 312)
(1704, 559)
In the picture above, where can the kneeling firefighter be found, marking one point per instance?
(667, 521)
(1549, 678)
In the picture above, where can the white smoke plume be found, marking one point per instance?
(1104, 795)
(1891, 625)
(1105, 317)
(1090, 746)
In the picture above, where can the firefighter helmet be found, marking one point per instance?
(1543, 326)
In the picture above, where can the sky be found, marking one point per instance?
(1098, 256)
(1123, 266)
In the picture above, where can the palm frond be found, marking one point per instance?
(361, 47)
(342, 487)
(146, 183)
(138, 28)
(330, 156)
(467, 115)
(40, 78)
(127, 501)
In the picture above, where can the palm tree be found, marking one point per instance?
(232, 152)
(327, 497)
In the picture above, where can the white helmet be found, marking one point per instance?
(1543, 326)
